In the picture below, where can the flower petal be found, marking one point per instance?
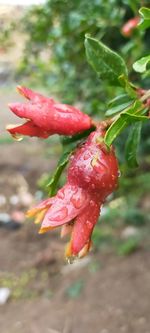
(33, 96)
(68, 120)
(27, 129)
(24, 110)
(67, 204)
(83, 227)
(40, 207)
(66, 229)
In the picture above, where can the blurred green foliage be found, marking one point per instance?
(54, 53)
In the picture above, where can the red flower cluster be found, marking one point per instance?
(46, 117)
(92, 173)
(129, 26)
(92, 176)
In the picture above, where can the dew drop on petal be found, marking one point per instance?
(17, 137)
(86, 156)
(87, 179)
(71, 259)
(78, 201)
(91, 203)
(61, 194)
(89, 224)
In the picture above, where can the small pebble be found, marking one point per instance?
(26, 198)
(14, 200)
(2, 200)
(130, 232)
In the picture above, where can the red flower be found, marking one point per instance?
(129, 26)
(46, 117)
(92, 176)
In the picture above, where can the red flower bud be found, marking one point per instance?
(46, 117)
(93, 167)
(92, 175)
(129, 26)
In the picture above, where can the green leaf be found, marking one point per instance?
(129, 87)
(132, 145)
(141, 64)
(145, 18)
(123, 120)
(60, 167)
(133, 4)
(132, 117)
(108, 64)
(123, 98)
(117, 108)
(75, 139)
(114, 130)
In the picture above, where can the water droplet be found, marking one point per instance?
(77, 201)
(119, 173)
(87, 179)
(103, 184)
(93, 186)
(71, 259)
(89, 224)
(91, 203)
(61, 194)
(71, 157)
(17, 137)
(86, 156)
(113, 177)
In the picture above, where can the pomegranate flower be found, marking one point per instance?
(129, 26)
(46, 117)
(92, 176)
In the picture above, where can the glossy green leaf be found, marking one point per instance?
(129, 87)
(114, 130)
(60, 167)
(145, 18)
(122, 121)
(132, 145)
(132, 117)
(116, 109)
(107, 63)
(120, 99)
(141, 64)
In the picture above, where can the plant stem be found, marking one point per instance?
(145, 96)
